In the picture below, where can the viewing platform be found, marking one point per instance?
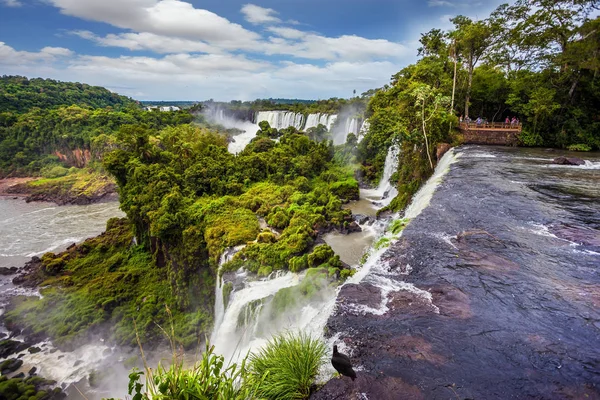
(496, 133)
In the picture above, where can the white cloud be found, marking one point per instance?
(149, 41)
(346, 47)
(440, 3)
(259, 15)
(161, 17)
(11, 3)
(10, 56)
(288, 33)
(174, 66)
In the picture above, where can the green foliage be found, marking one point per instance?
(31, 388)
(210, 378)
(286, 367)
(579, 147)
(398, 225)
(105, 281)
(19, 94)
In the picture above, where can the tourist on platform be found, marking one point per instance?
(513, 121)
(478, 121)
(460, 119)
(507, 122)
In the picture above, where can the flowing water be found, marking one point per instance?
(32, 229)
(281, 119)
(248, 128)
(491, 291)
(252, 316)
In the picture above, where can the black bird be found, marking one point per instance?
(342, 363)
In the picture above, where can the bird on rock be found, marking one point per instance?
(342, 363)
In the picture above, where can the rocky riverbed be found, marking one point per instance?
(492, 292)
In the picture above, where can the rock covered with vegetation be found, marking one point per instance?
(187, 199)
(68, 186)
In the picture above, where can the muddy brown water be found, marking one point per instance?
(509, 254)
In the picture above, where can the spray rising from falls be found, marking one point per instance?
(247, 128)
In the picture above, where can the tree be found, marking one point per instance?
(472, 41)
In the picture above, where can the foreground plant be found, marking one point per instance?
(210, 378)
(286, 367)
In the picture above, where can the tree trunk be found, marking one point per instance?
(469, 83)
(454, 80)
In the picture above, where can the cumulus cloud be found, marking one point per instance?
(347, 47)
(10, 56)
(200, 54)
(259, 15)
(161, 17)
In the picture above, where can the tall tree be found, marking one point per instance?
(473, 39)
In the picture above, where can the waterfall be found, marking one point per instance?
(364, 129)
(217, 115)
(281, 119)
(343, 127)
(314, 120)
(420, 201)
(233, 340)
(219, 301)
(386, 191)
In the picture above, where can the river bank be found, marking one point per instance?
(79, 188)
(491, 292)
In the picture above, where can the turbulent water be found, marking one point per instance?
(32, 229)
(491, 292)
(249, 320)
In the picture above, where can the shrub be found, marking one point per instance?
(286, 367)
(579, 147)
(55, 171)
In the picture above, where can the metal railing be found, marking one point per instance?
(491, 125)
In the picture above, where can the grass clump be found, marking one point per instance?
(210, 378)
(286, 367)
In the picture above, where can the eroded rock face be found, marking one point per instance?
(568, 161)
(442, 149)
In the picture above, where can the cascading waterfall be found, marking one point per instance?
(386, 191)
(343, 127)
(219, 301)
(233, 341)
(314, 120)
(218, 116)
(364, 129)
(281, 119)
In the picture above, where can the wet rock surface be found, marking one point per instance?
(493, 291)
(568, 161)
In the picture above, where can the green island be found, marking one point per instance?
(187, 199)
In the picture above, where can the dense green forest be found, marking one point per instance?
(19, 94)
(187, 198)
(40, 120)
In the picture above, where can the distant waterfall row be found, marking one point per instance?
(339, 126)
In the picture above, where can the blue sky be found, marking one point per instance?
(221, 49)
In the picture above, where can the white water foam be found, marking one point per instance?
(69, 367)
